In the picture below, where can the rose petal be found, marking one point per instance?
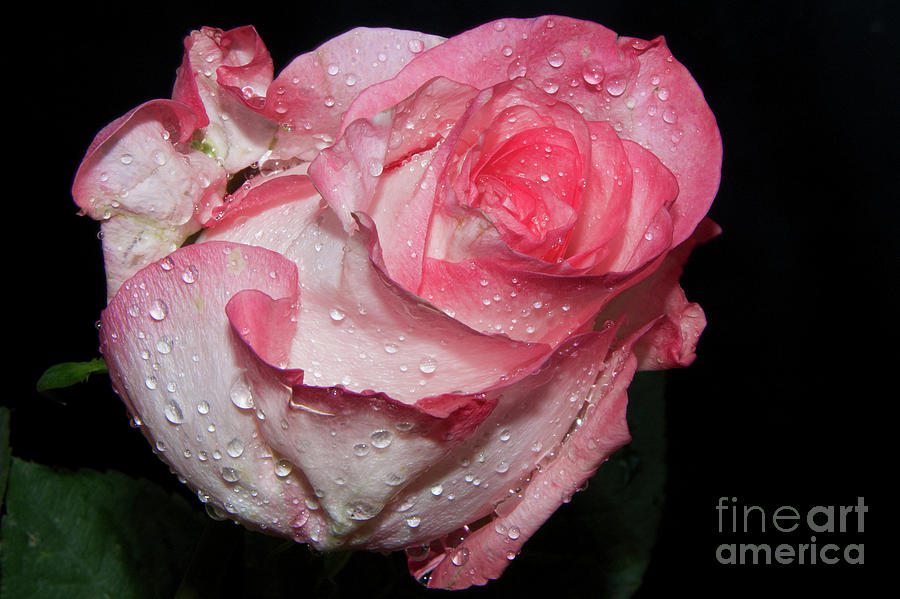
(605, 202)
(224, 76)
(647, 230)
(138, 173)
(620, 80)
(310, 96)
(485, 553)
(663, 326)
(531, 424)
(357, 329)
(171, 317)
(383, 168)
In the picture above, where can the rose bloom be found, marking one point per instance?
(393, 298)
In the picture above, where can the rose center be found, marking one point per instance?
(530, 190)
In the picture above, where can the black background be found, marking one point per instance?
(786, 404)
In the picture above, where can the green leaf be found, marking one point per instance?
(69, 373)
(89, 534)
(4, 452)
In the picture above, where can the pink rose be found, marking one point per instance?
(393, 298)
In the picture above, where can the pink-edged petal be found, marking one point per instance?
(647, 230)
(485, 553)
(254, 198)
(521, 297)
(227, 73)
(605, 202)
(358, 451)
(309, 97)
(388, 169)
(663, 326)
(529, 426)
(667, 114)
(150, 190)
(357, 329)
(348, 172)
(191, 382)
(635, 85)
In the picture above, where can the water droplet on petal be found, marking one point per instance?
(158, 310)
(505, 435)
(283, 468)
(361, 510)
(173, 412)
(337, 314)
(241, 394)
(415, 46)
(556, 58)
(616, 86)
(592, 72)
(235, 447)
(230, 475)
(360, 450)
(413, 521)
(190, 274)
(203, 407)
(436, 490)
(460, 557)
(382, 438)
(428, 365)
(516, 69)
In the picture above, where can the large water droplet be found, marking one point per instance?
(360, 450)
(361, 510)
(516, 69)
(428, 365)
(460, 557)
(190, 274)
(158, 310)
(163, 346)
(241, 394)
(592, 72)
(173, 412)
(616, 86)
(556, 58)
(230, 475)
(382, 438)
(283, 468)
(413, 521)
(235, 447)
